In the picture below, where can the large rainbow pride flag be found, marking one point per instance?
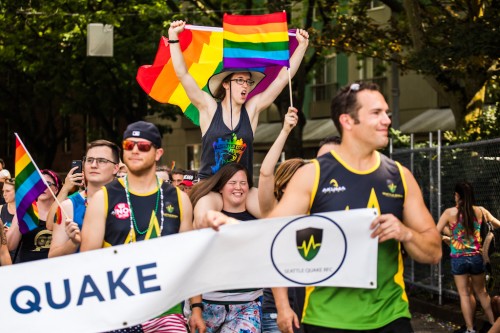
(202, 50)
(29, 185)
(255, 40)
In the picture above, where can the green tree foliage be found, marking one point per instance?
(453, 44)
(46, 75)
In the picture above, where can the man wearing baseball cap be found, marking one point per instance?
(120, 213)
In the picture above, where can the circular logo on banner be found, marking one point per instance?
(122, 211)
(309, 249)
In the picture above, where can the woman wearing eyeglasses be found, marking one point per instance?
(35, 244)
(228, 119)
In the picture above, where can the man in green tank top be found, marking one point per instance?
(356, 175)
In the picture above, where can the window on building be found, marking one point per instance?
(324, 81)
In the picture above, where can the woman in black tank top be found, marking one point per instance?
(35, 244)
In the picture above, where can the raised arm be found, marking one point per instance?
(261, 101)
(200, 99)
(267, 201)
(94, 223)
(72, 180)
(417, 231)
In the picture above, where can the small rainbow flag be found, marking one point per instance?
(29, 185)
(255, 40)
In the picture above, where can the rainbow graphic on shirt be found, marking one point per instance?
(227, 151)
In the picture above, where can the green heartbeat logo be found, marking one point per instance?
(309, 242)
(310, 250)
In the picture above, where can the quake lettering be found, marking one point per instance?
(27, 299)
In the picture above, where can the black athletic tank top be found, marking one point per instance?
(147, 222)
(341, 187)
(221, 145)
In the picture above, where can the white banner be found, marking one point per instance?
(126, 285)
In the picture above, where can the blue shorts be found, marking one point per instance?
(269, 324)
(467, 265)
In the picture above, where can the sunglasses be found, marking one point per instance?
(143, 146)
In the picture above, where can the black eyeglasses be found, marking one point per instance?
(10, 181)
(143, 146)
(50, 183)
(98, 160)
(241, 81)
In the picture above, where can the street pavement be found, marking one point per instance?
(427, 323)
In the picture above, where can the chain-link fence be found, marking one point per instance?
(437, 169)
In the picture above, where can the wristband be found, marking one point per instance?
(173, 41)
(197, 305)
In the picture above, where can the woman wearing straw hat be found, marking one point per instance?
(228, 119)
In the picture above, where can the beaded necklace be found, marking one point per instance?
(133, 222)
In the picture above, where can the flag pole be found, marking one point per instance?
(290, 86)
(66, 216)
(41, 176)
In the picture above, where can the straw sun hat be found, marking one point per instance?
(215, 81)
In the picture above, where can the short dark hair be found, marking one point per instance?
(177, 171)
(115, 150)
(346, 101)
(2, 162)
(335, 139)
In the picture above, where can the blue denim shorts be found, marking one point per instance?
(467, 265)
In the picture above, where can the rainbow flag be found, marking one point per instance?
(202, 50)
(255, 40)
(29, 185)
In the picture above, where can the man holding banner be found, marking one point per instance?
(140, 207)
(352, 176)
